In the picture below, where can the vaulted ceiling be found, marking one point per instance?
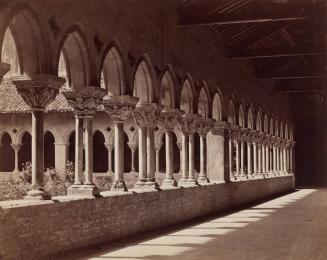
(286, 39)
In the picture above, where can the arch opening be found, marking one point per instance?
(186, 100)
(7, 159)
(143, 83)
(203, 104)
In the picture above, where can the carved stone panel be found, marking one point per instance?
(146, 114)
(120, 108)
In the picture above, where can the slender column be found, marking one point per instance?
(191, 176)
(150, 155)
(185, 137)
(157, 147)
(37, 149)
(142, 156)
(267, 159)
(242, 158)
(133, 149)
(203, 178)
(291, 160)
(278, 159)
(61, 155)
(274, 159)
(78, 150)
(285, 160)
(259, 159)
(169, 181)
(110, 148)
(179, 145)
(88, 150)
(16, 148)
(119, 183)
(249, 158)
(263, 163)
(230, 144)
(237, 158)
(255, 163)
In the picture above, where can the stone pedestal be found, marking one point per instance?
(38, 91)
(85, 102)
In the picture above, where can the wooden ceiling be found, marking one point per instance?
(286, 39)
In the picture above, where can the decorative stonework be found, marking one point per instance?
(146, 114)
(85, 101)
(4, 68)
(120, 108)
(16, 147)
(38, 91)
(204, 125)
(187, 123)
(169, 117)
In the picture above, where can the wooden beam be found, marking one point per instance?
(241, 54)
(301, 85)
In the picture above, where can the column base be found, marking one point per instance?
(118, 186)
(187, 182)
(146, 184)
(169, 182)
(37, 195)
(89, 190)
(203, 180)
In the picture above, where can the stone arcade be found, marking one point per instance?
(147, 95)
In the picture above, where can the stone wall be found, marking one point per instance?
(33, 230)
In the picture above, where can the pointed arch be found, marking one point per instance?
(203, 103)
(187, 97)
(231, 113)
(241, 116)
(250, 121)
(73, 56)
(144, 80)
(168, 89)
(265, 124)
(217, 108)
(25, 29)
(258, 121)
(113, 72)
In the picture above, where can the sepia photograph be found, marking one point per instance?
(163, 129)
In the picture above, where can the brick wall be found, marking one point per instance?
(45, 228)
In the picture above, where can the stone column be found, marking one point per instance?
(255, 163)
(120, 108)
(237, 172)
(61, 156)
(4, 68)
(157, 148)
(231, 156)
(16, 148)
(203, 126)
(259, 159)
(187, 127)
(110, 148)
(168, 118)
(79, 147)
(285, 161)
(145, 117)
(242, 159)
(267, 159)
(263, 158)
(277, 160)
(38, 91)
(274, 159)
(85, 101)
(179, 145)
(133, 149)
(249, 164)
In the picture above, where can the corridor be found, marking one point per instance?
(289, 227)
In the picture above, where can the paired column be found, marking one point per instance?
(119, 108)
(145, 117)
(187, 125)
(255, 163)
(249, 158)
(16, 148)
(231, 157)
(85, 102)
(38, 91)
(203, 126)
(169, 119)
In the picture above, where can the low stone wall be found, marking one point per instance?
(34, 230)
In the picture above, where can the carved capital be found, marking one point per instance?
(4, 68)
(109, 146)
(204, 125)
(146, 114)
(16, 147)
(38, 91)
(169, 117)
(132, 146)
(85, 101)
(120, 108)
(187, 123)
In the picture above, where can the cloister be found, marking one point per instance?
(148, 95)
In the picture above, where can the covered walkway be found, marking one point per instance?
(289, 227)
